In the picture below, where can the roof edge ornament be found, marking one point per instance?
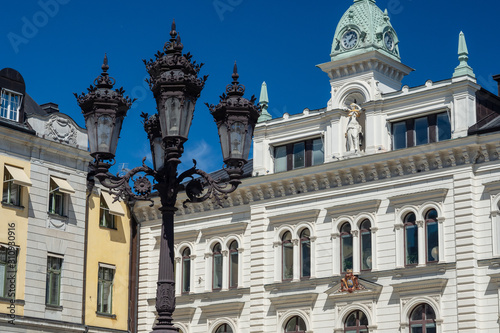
(463, 56)
(264, 104)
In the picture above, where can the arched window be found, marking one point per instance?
(224, 328)
(305, 254)
(346, 247)
(432, 236)
(186, 270)
(217, 267)
(366, 245)
(233, 264)
(411, 239)
(287, 253)
(423, 319)
(295, 325)
(356, 322)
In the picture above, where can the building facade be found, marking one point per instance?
(377, 213)
(65, 248)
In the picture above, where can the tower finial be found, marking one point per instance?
(173, 33)
(463, 56)
(263, 102)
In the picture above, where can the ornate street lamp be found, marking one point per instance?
(176, 87)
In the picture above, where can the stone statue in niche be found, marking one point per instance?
(354, 132)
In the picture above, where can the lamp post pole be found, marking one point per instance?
(176, 87)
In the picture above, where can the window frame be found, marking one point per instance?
(101, 284)
(364, 231)
(7, 187)
(17, 112)
(186, 276)
(342, 236)
(51, 275)
(358, 326)
(424, 321)
(233, 271)
(8, 269)
(432, 130)
(106, 218)
(54, 195)
(284, 244)
(427, 222)
(304, 240)
(226, 328)
(217, 254)
(407, 223)
(298, 319)
(307, 151)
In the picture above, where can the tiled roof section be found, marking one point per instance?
(222, 174)
(487, 113)
(32, 107)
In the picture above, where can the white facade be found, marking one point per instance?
(455, 174)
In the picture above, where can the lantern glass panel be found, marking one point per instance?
(158, 153)
(115, 134)
(237, 134)
(90, 124)
(224, 141)
(104, 131)
(169, 121)
(187, 117)
(248, 141)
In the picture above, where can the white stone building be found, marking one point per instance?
(399, 184)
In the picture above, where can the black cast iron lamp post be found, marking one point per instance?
(176, 86)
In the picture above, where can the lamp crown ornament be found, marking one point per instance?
(103, 105)
(235, 117)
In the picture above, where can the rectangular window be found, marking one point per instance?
(280, 159)
(420, 131)
(318, 154)
(8, 269)
(443, 127)
(58, 192)
(106, 219)
(11, 103)
(105, 289)
(298, 155)
(399, 135)
(411, 244)
(53, 285)
(13, 180)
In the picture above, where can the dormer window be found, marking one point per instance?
(298, 155)
(11, 103)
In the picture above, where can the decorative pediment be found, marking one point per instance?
(421, 286)
(229, 309)
(225, 229)
(186, 236)
(300, 216)
(368, 206)
(294, 300)
(366, 290)
(418, 198)
(493, 188)
(184, 313)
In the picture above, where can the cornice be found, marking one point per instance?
(228, 308)
(420, 286)
(301, 216)
(368, 206)
(471, 152)
(294, 300)
(416, 198)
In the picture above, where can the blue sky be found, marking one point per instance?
(58, 47)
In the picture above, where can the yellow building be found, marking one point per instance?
(107, 262)
(14, 233)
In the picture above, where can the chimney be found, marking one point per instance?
(53, 107)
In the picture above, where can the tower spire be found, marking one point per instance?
(263, 102)
(463, 56)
